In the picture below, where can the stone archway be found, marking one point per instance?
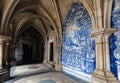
(29, 47)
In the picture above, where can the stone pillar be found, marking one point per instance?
(58, 65)
(4, 73)
(6, 56)
(103, 73)
(1, 53)
(13, 62)
(45, 54)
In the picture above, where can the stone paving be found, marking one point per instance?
(39, 73)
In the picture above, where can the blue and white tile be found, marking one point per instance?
(78, 50)
(115, 39)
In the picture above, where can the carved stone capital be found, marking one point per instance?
(108, 33)
(103, 35)
(98, 36)
(4, 38)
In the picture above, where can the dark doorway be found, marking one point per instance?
(32, 46)
(27, 56)
(51, 51)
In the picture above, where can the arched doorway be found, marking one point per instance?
(51, 52)
(27, 52)
(29, 47)
(52, 49)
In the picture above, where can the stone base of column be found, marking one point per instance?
(45, 60)
(4, 75)
(103, 77)
(58, 66)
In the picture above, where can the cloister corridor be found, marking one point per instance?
(59, 41)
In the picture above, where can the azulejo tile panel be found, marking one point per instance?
(78, 49)
(115, 39)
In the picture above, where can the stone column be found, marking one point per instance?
(58, 65)
(6, 56)
(3, 39)
(99, 56)
(45, 54)
(103, 73)
(109, 75)
(13, 62)
(1, 53)
(4, 73)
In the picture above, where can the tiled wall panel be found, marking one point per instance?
(78, 49)
(115, 39)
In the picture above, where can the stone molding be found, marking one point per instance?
(52, 36)
(103, 35)
(4, 38)
(103, 74)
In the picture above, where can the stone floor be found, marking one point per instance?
(39, 73)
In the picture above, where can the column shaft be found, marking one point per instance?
(4, 73)
(1, 55)
(13, 54)
(58, 65)
(45, 54)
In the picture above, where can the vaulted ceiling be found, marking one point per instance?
(42, 14)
